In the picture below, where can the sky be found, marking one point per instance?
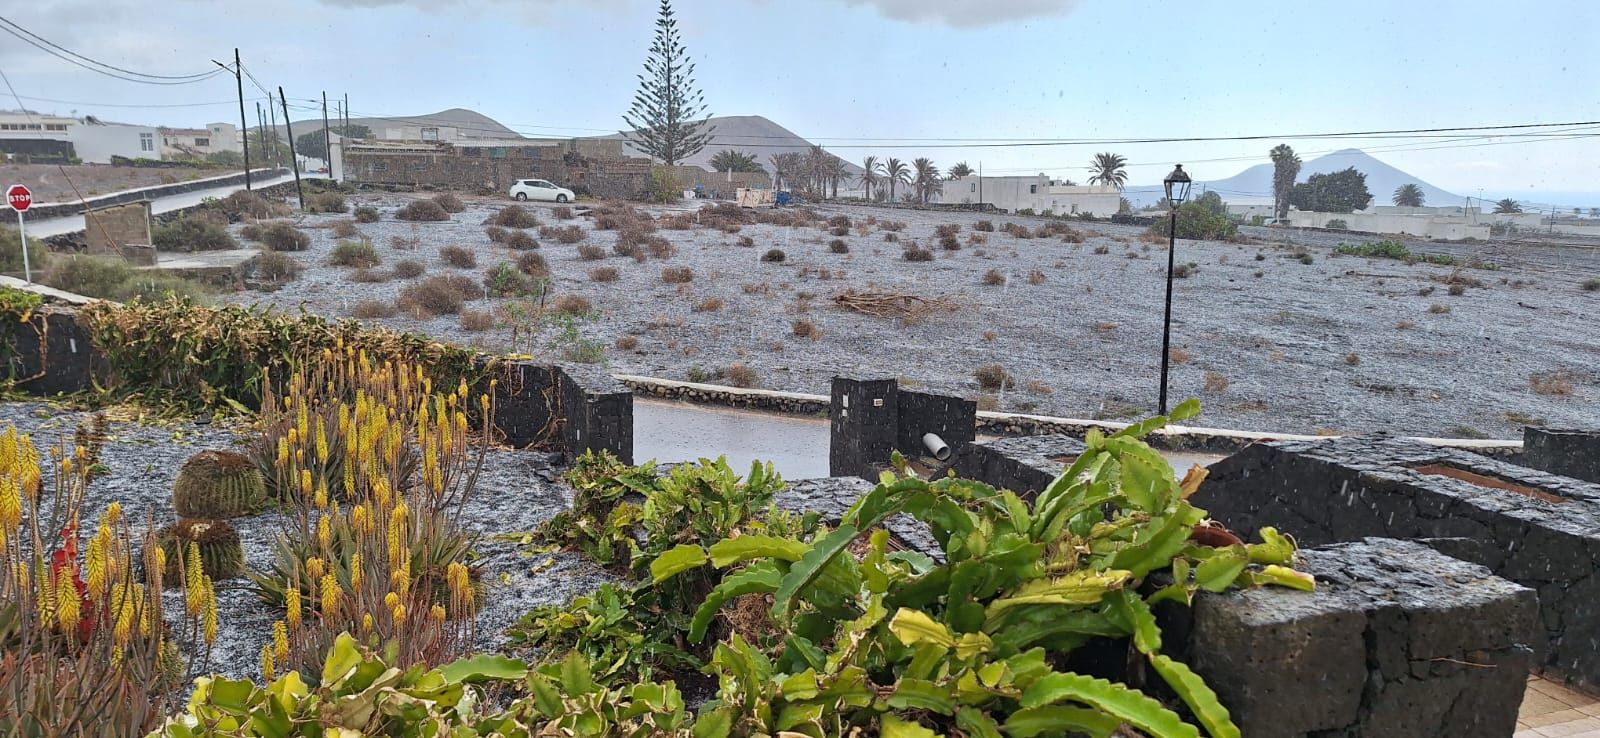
(890, 77)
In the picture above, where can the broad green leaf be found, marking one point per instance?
(484, 667)
(1283, 576)
(976, 723)
(763, 578)
(894, 727)
(798, 714)
(1185, 410)
(810, 566)
(1146, 487)
(1217, 572)
(1197, 695)
(1116, 700)
(1082, 587)
(802, 686)
(914, 626)
(1056, 720)
(232, 696)
(1133, 608)
(1156, 544)
(575, 676)
(676, 560)
(729, 551)
(921, 694)
(716, 723)
(343, 659)
(1275, 548)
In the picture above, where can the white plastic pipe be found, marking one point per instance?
(936, 446)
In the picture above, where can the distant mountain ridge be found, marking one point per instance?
(751, 134)
(1254, 185)
(471, 123)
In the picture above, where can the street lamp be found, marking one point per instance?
(1177, 186)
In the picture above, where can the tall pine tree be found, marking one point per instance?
(662, 121)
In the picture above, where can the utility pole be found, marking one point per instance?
(981, 206)
(327, 138)
(294, 158)
(244, 127)
(272, 119)
(346, 114)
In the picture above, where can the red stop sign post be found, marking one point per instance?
(20, 198)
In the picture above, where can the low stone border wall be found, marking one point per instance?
(1397, 641)
(1534, 528)
(1025, 465)
(575, 407)
(714, 394)
(49, 210)
(1570, 453)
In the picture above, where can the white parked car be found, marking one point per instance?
(538, 189)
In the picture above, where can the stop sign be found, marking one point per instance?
(19, 197)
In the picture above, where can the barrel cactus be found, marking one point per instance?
(217, 485)
(221, 552)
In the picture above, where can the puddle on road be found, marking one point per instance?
(797, 446)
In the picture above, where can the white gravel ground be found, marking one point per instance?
(1314, 347)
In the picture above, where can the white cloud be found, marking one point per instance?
(528, 11)
(968, 13)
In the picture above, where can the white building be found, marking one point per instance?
(27, 124)
(185, 143)
(96, 141)
(1038, 193)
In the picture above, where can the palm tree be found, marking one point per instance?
(1108, 170)
(925, 177)
(871, 172)
(1285, 170)
(959, 170)
(817, 168)
(729, 160)
(835, 171)
(786, 167)
(1507, 206)
(895, 172)
(1408, 195)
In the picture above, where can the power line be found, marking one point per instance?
(130, 105)
(99, 67)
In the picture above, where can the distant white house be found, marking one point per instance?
(97, 141)
(1038, 193)
(183, 143)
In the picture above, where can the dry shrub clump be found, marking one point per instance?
(371, 309)
(994, 278)
(914, 252)
(442, 294)
(1016, 230)
(977, 239)
(459, 257)
(741, 375)
(591, 252)
(505, 280)
(422, 211)
(838, 246)
(950, 243)
(806, 329)
(496, 234)
(561, 212)
(774, 256)
(521, 241)
(891, 237)
(355, 254)
(604, 274)
(515, 216)
(409, 269)
(983, 225)
(476, 321)
(1557, 383)
(450, 202)
(280, 236)
(573, 305)
(533, 265)
(404, 244)
(564, 235)
(1179, 355)
(677, 275)
(345, 229)
(1035, 277)
(747, 242)
(1216, 382)
(948, 229)
(276, 267)
(891, 225)
(370, 276)
(326, 202)
(993, 377)
(708, 305)
(627, 343)
(366, 214)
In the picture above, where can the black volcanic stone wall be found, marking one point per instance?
(831, 497)
(863, 426)
(596, 411)
(1024, 465)
(1570, 453)
(1346, 489)
(51, 354)
(952, 418)
(1397, 641)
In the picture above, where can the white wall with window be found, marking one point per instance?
(96, 142)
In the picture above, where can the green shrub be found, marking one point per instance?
(152, 286)
(366, 214)
(326, 202)
(279, 235)
(90, 276)
(355, 254)
(1337, 224)
(192, 233)
(1592, 285)
(1197, 222)
(11, 252)
(1392, 249)
(505, 280)
(273, 266)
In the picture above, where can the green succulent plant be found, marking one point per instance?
(218, 485)
(221, 551)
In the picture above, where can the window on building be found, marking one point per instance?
(378, 166)
(202, 142)
(430, 134)
(974, 186)
(56, 127)
(1033, 189)
(147, 142)
(497, 152)
(471, 152)
(419, 166)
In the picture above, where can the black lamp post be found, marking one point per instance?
(1177, 185)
